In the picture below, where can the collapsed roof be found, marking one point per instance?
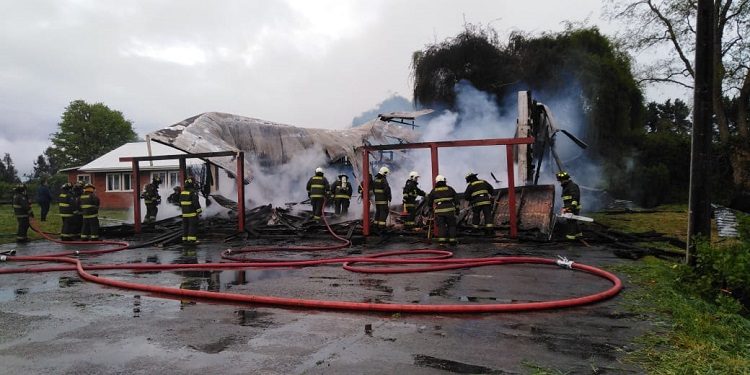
(274, 144)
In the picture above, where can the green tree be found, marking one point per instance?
(668, 117)
(8, 172)
(86, 132)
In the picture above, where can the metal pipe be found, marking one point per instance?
(240, 191)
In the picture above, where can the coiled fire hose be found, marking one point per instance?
(436, 260)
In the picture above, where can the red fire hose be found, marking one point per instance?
(438, 261)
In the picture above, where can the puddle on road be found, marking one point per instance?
(253, 318)
(451, 366)
(220, 281)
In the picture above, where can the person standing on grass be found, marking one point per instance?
(43, 199)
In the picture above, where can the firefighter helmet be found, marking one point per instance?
(384, 171)
(20, 187)
(470, 174)
(440, 178)
(189, 183)
(318, 170)
(156, 180)
(413, 175)
(90, 186)
(66, 186)
(562, 176)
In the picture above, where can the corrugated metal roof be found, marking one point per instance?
(111, 160)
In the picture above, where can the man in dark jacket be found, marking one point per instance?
(90, 210)
(191, 208)
(22, 210)
(479, 195)
(317, 189)
(43, 199)
(443, 200)
(174, 198)
(411, 192)
(382, 193)
(571, 197)
(342, 193)
(65, 203)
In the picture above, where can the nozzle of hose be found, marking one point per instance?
(564, 262)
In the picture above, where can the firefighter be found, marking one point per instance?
(22, 210)
(445, 201)
(174, 198)
(191, 208)
(152, 199)
(411, 192)
(571, 197)
(65, 206)
(90, 211)
(479, 195)
(342, 193)
(317, 188)
(382, 194)
(76, 221)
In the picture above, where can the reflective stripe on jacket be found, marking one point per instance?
(381, 189)
(444, 199)
(317, 186)
(189, 203)
(89, 205)
(479, 193)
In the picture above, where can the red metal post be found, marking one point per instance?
(241, 191)
(365, 191)
(183, 171)
(435, 164)
(136, 185)
(511, 192)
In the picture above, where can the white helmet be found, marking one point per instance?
(440, 178)
(318, 170)
(384, 170)
(413, 175)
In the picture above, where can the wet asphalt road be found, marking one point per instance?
(57, 323)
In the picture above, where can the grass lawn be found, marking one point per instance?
(692, 335)
(8, 224)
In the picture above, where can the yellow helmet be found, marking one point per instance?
(562, 176)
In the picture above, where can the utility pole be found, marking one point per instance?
(699, 206)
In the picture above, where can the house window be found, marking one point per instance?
(174, 178)
(84, 178)
(119, 182)
(168, 178)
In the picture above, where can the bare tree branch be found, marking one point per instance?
(675, 43)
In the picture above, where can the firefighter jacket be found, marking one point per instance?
(381, 189)
(317, 186)
(411, 191)
(76, 201)
(151, 195)
(341, 190)
(65, 203)
(479, 193)
(21, 205)
(571, 197)
(89, 205)
(189, 203)
(444, 198)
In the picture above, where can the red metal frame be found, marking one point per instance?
(240, 155)
(434, 146)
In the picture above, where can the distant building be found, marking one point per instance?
(113, 179)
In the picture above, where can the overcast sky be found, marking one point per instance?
(307, 63)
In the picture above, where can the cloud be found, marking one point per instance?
(306, 63)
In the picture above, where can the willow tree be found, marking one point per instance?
(581, 64)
